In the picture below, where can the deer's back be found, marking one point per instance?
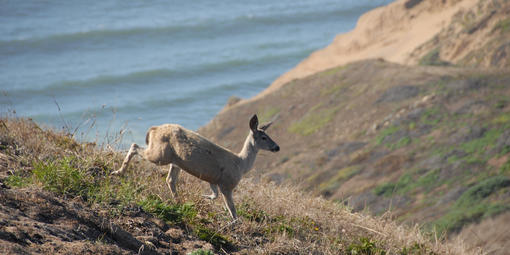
(171, 143)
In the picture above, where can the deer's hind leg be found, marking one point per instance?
(133, 150)
(171, 179)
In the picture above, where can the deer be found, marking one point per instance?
(174, 145)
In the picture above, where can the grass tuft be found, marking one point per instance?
(173, 213)
(365, 246)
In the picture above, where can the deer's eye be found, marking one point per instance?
(264, 138)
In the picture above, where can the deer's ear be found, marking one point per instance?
(254, 123)
(266, 126)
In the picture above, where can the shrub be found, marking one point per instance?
(64, 177)
(365, 246)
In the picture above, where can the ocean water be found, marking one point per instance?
(99, 68)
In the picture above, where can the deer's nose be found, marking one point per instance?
(275, 149)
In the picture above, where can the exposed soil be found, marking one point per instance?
(34, 221)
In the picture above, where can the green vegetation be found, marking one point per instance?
(314, 120)
(202, 252)
(174, 213)
(433, 59)
(505, 168)
(268, 113)
(480, 145)
(472, 205)
(64, 177)
(390, 131)
(211, 236)
(503, 26)
(476, 149)
(334, 70)
(385, 133)
(365, 246)
(249, 211)
(17, 181)
(410, 182)
(341, 176)
(478, 192)
(402, 142)
(416, 248)
(502, 118)
(432, 116)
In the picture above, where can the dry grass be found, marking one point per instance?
(273, 219)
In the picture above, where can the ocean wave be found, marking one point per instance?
(155, 76)
(204, 28)
(155, 104)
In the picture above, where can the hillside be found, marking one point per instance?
(427, 141)
(394, 140)
(57, 196)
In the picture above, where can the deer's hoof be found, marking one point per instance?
(212, 197)
(118, 172)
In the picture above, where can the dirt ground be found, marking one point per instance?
(34, 221)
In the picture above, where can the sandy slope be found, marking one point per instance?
(391, 32)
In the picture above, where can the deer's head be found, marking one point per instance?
(262, 140)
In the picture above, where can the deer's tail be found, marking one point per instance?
(148, 135)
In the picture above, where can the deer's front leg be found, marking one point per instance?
(171, 179)
(214, 193)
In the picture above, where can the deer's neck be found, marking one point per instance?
(248, 154)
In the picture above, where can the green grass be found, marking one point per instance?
(334, 70)
(64, 177)
(268, 113)
(502, 119)
(503, 26)
(389, 131)
(314, 120)
(250, 212)
(402, 186)
(402, 142)
(480, 145)
(211, 236)
(173, 213)
(365, 246)
(432, 116)
(341, 176)
(429, 180)
(17, 181)
(385, 133)
(201, 252)
(478, 192)
(409, 182)
(184, 215)
(505, 168)
(473, 205)
(75, 177)
(416, 248)
(433, 59)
